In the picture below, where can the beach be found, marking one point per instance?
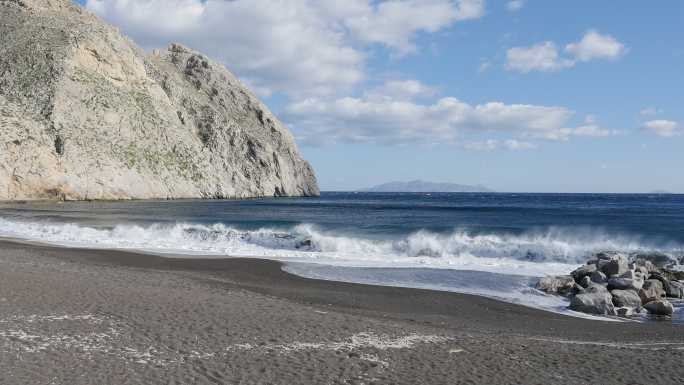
(79, 316)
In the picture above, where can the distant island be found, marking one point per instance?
(660, 192)
(423, 186)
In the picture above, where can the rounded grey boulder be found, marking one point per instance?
(596, 301)
(626, 298)
(556, 285)
(651, 291)
(659, 307)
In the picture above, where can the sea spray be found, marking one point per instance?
(530, 253)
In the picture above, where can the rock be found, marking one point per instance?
(673, 275)
(598, 302)
(576, 289)
(660, 260)
(625, 284)
(645, 266)
(582, 272)
(607, 255)
(631, 274)
(652, 290)
(659, 307)
(562, 285)
(598, 277)
(626, 298)
(595, 288)
(616, 266)
(586, 282)
(675, 289)
(86, 114)
(625, 311)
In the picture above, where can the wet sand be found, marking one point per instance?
(75, 316)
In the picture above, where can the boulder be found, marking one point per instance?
(652, 290)
(625, 311)
(582, 272)
(598, 302)
(645, 266)
(658, 259)
(625, 284)
(673, 275)
(606, 255)
(562, 285)
(587, 282)
(598, 277)
(660, 307)
(617, 266)
(626, 298)
(675, 289)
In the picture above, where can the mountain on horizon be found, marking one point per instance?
(424, 186)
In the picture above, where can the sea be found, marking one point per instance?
(489, 244)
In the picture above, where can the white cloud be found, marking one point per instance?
(664, 128)
(649, 111)
(401, 120)
(470, 9)
(596, 46)
(513, 144)
(400, 90)
(484, 66)
(540, 57)
(276, 46)
(298, 47)
(515, 5)
(395, 23)
(547, 58)
(493, 144)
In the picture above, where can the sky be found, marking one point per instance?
(520, 96)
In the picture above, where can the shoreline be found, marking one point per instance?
(267, 276)
(86, 316)
(287, 267)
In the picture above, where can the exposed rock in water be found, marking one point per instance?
(598, 277)
(86, 114)
(613, 284)
(626, 298)
(659, 307)
(595, 300)
(562, 285)
(583, 271)
(660, 260)
(651, 291)
(625, 284)
(673, 289)
(616, 265)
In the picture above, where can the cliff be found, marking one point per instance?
(86, 114)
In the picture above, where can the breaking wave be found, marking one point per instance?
(553, 251)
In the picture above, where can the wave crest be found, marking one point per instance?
(458, 249)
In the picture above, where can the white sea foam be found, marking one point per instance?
(534, 254)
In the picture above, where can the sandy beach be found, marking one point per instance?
(77, 316)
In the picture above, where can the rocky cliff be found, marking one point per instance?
(86, 114)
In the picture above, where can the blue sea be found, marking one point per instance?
(491, 244)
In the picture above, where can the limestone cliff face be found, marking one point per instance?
(86, 114)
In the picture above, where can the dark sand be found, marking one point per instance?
(72, 316)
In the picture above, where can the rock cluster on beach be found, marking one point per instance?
(613, 283)
(86, 114)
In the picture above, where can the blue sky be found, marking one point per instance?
(549, 96)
